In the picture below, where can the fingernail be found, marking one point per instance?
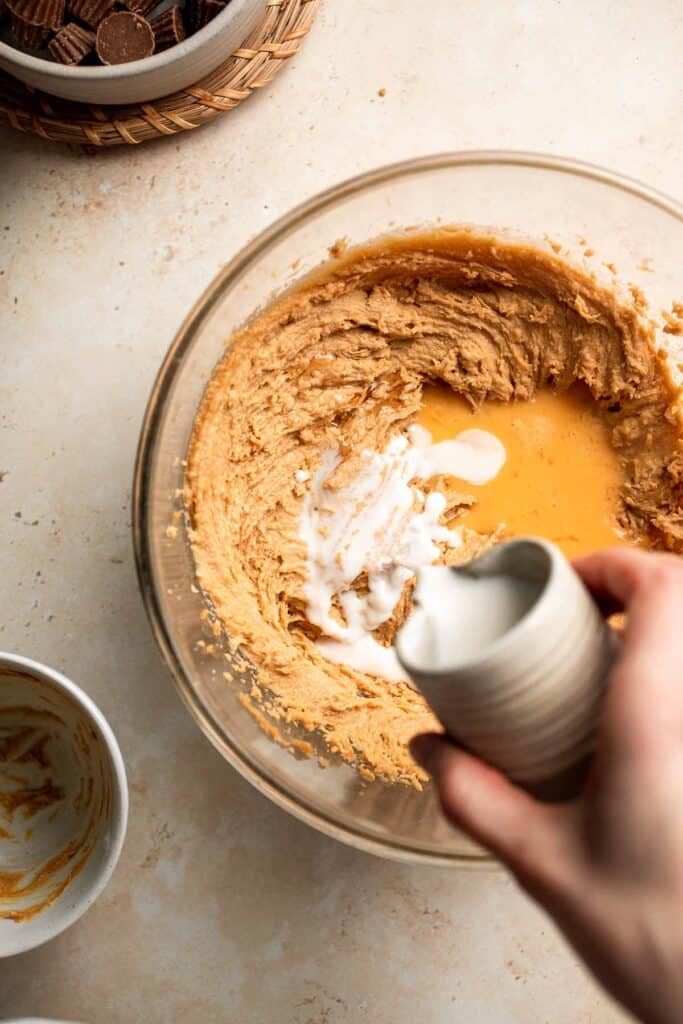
(423, 749)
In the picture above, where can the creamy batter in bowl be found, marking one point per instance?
(579, 211)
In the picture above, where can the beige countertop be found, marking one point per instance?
(224, 908)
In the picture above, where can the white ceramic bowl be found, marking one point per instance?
(141, 80)
(63, 803)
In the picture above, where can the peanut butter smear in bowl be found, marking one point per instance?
(63, 803)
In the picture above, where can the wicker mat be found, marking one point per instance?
(255, 64)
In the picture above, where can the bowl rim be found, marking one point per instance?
(279, 793)
(73, 911)
(131, 69)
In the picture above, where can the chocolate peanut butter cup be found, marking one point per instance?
(199, 13)
(72, 44)
(123, 37)
(168, 28)
(89, 11)
(31, 37)
(47, 14)
(142, 7)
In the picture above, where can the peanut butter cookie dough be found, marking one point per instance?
(340, 363)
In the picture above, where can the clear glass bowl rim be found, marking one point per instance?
(183, 340)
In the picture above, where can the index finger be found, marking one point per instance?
(614, 575)
(646, 696)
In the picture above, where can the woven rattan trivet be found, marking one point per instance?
(258, 60)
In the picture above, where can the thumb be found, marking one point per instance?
(524, 834)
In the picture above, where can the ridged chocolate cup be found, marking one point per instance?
(90, 11)
(199, 13)
(30, 37)
(124, 36)
(44, 13)
(168, 28)
(142, 7)
(72, 44)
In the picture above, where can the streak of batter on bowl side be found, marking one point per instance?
(342, 361)
(32, 797)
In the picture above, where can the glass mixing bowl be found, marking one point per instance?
(567, 203)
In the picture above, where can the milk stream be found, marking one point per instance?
(382, 524)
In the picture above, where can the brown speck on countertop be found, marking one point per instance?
(160, 837)
(382, 91)
(338, 248)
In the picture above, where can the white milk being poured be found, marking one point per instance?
(384, 524)
(457, 616)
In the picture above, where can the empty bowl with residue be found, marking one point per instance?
(63, 803)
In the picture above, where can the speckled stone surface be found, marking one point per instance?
(223, 908)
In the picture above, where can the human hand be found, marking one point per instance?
(607, 866)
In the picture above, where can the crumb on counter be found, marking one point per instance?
(338, 248)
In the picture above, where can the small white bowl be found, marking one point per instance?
(63, 803)
(141, 80)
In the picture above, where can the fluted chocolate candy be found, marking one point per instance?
(72, 44)
(31, 37)
(90, 11)
(168, 28)
(44, 13)
(122, 37)
(142, 7)
(199, 13)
